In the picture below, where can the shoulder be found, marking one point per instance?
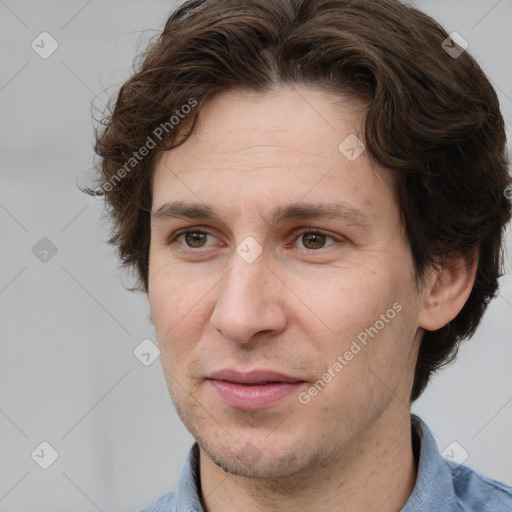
(443, 485)
(476, 492)
(166, 503)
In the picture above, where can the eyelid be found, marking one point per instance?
(300, 231)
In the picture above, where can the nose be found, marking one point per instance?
(250, 302)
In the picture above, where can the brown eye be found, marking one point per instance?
(194, 239)
(314, 240)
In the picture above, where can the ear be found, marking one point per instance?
(446, 290)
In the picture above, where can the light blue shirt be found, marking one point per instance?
(441, 484)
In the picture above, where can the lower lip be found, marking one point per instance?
(252, 398)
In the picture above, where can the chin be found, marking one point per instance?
(268, 462)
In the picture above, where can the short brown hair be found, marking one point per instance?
(432, 117)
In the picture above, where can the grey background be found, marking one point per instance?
(68, 328)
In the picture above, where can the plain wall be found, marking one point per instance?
(68, 328)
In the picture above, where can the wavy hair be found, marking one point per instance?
(432, 117)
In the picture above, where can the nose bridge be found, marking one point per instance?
(247, 301)
(243, 282)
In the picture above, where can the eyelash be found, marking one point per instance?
(296, 234)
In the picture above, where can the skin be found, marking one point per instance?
(294, 309)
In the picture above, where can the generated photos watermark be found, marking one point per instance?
(343, 360)
(158, 134)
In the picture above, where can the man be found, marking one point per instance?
(314, 194)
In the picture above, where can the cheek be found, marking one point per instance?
(365, 315)
(171, 292)
(177, 310)
(343, 301)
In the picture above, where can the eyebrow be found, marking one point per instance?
(294, 211)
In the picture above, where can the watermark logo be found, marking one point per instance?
(249, 249)
(44, 250)
(352, 148)
(44, 45)
(250, 455)
(455, 45)
(44, 455)
(158, 134)
(146, 352)
(455, 453)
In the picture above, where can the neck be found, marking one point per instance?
(377, 472)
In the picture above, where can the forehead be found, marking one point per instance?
(290, 143)
(235, 120)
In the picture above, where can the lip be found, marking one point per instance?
(252, 377)
(254, 390)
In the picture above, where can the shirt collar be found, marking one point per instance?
(434, 476)
(188, 494)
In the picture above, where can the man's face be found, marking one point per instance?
(240, 292)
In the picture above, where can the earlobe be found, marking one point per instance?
(446, 290)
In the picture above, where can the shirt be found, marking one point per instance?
(442, 485)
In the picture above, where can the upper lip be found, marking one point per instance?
(252, 377)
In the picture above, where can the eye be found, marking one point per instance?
(194, 239)
(313, 239)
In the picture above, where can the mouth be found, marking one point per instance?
(254, 390)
